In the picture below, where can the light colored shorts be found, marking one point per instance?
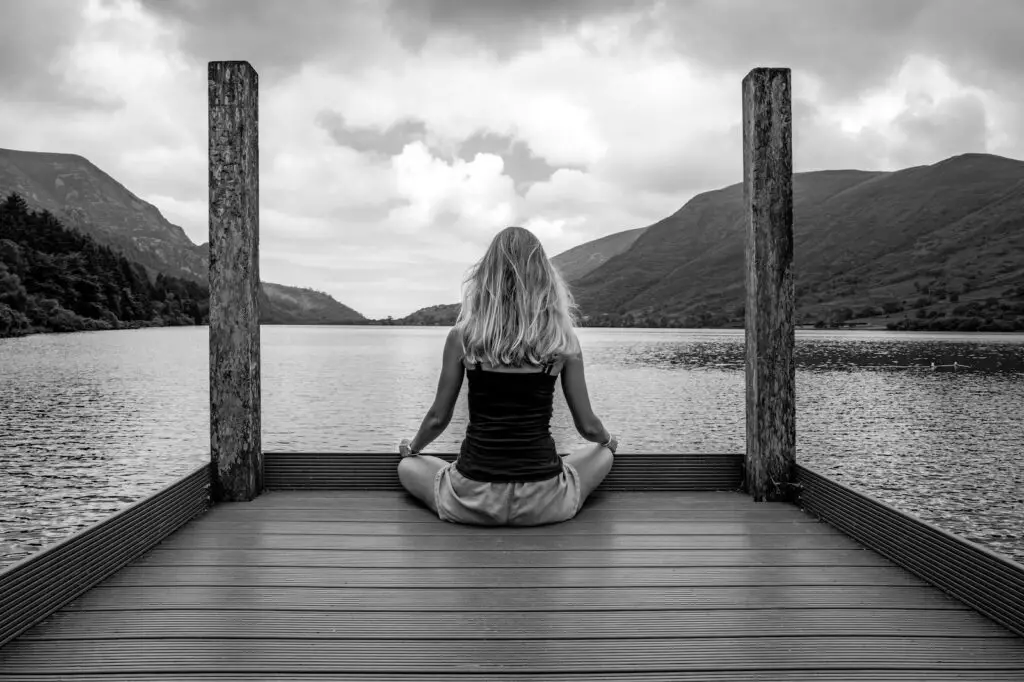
(531, 503)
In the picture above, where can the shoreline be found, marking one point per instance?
(799, 327)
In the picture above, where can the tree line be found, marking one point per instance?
(54, 279)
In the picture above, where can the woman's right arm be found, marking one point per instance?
(574, 385)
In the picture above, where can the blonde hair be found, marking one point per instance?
(516, 306)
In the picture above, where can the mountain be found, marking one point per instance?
(436, 315)
(582, 259)
(294, 305)
(573, 264)
(85, 198)
(866, 244)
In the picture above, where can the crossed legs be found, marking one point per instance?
(592, 462)
(417, 476)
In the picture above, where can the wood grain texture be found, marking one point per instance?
(586, 599)
(768, 201)
(512, 656)
(235, 439)
(703, 675)
(762, 675)
(476, 558)
(534, 599)
(413, 625)
(554, 577)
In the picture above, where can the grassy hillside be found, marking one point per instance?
(443, 315)
(869, 246)
(295, 305)
(587, 257)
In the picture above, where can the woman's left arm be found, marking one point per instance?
(448, 387)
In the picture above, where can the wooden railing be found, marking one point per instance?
(990, 583)
(40, 584)
(374, 471)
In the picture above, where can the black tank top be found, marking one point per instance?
(509, 432)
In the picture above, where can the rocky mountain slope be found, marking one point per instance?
(85, 198)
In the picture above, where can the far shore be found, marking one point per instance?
(372, 323)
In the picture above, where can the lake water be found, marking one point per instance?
(92, 422)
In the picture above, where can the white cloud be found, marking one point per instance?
(921, 115)
(476, 194)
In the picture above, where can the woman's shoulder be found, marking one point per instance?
(573, 349)
(454, 336)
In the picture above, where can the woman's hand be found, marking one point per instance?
(613, 443)
(405, 448)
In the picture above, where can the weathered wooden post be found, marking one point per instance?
(768, 200)
(235, 444)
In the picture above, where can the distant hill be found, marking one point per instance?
(85, 198)
(436, 315)
(573, 264)
(921, 243)
(294, 305)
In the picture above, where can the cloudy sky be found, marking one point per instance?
(397, 137)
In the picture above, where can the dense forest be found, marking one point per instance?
(56, 279)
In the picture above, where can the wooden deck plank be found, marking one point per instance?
(684, 586)
(533, 577)
(407, 529)
(412, 625)
(776, 675)
(188, 540)
(258, 655)
(106, 598)
(431, 558)
(387, 499)
(234, 514)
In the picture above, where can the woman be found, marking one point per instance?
(513, 337)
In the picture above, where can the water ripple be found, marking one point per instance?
(96, 421)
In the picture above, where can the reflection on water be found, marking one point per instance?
(842, 351)
(92, 422)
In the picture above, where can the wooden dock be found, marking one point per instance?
(368, 584)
